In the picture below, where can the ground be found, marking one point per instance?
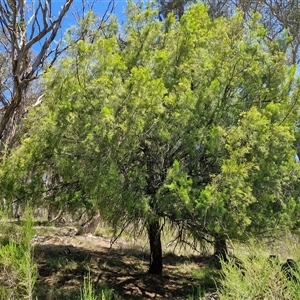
(64, 259)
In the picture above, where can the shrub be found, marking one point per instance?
(17, 263)
(255, 275)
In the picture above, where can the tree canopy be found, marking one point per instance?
(191, 121)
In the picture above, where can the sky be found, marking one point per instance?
(100, 6)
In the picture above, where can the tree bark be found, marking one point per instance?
(221, 250)
(17, 39)
(154, 234)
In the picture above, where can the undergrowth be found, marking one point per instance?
(253, 274)
(18, 268)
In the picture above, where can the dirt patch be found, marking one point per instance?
(64, 260)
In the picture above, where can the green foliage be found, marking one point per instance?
(250, 184)
(253, 275)
(191, 120)
(89, 293)
(17, 263)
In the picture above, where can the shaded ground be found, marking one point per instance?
(64, 260)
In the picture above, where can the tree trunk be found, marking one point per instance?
(154, 234)
(221, 250)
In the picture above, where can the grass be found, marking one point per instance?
(93, 263)
(252, 274)
(88, 291)
(18, 268)
(90, 267)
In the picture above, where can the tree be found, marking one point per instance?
(31, 40)
(177, 7)
(280, 17)
(21, 32)
(189, 120)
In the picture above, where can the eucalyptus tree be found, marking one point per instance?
(30, 42)
(188, 120)
(25, 26)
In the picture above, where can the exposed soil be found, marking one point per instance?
(64, 259)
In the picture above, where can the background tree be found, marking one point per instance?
(23, 27)
(190, 121)
(280, 17)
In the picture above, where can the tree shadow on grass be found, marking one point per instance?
(62, 269)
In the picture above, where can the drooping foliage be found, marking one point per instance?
(191, 121)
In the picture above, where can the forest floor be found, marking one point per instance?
(64, 259)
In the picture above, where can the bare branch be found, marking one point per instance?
(20, 33)
(25, 68)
